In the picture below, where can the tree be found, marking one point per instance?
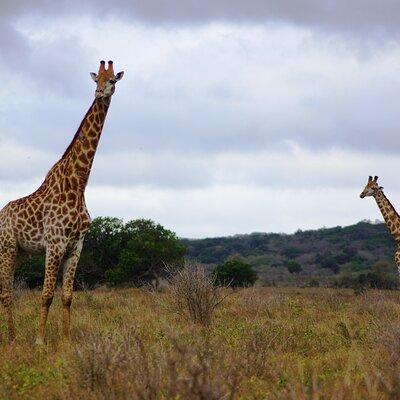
(102, 247)
(147, 249)
(294, 267)
(31, 271)
(236, 273)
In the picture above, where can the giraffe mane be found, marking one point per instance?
(383, 194)
(77, 132)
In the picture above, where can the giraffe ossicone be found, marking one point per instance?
(54, 219)
(389, 213)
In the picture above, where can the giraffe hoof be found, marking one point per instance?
(39, 342)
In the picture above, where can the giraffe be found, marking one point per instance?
(54, 219)
(390, 215)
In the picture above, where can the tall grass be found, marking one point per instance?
(260, 343)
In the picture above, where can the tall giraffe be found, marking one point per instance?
(390, 215)
(54, 219)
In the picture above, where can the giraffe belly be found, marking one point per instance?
(31, 244)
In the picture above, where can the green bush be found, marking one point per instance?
(294, 267)
(149, 248)
(116, 253)
(236, 273)
(31, 271)
(382, 276)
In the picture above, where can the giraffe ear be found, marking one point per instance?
(94, 76)
(119, 76)
(380, 187)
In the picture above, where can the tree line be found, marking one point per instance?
(141, 251)
(134, 253)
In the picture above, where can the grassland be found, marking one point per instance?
(263, 343)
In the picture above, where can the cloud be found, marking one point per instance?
(226, 87)
(231, 117)
(234, 209)
(294, 169)
(339, 15)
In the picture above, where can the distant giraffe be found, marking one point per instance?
(390, 215)
(54, 219)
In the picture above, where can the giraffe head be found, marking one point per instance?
(106, 80)
(371, 188)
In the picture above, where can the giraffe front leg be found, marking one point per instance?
(54, 255)
(69, 269)
(397, 259)
(7, 267)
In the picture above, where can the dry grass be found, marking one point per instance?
(262, 343)
(193, 294)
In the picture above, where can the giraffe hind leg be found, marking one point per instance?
(69, 269)
(7, 266)
(54, 255)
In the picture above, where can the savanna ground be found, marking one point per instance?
(262, 343)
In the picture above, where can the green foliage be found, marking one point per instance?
(382, 276)
(101, 251)
(294, 267)
(291, 252)
(116, 253)
(135, 252)
(31, 271)
(149, 248)
(236, 273)
(325, 252)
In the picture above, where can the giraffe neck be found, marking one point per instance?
(73, 169)
(389, 214)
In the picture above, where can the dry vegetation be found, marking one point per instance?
(262, 343)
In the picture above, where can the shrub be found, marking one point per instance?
(31, 271)
(149, 247)
(235, 273)
(377, 278)
(194, 294)
(294, 267)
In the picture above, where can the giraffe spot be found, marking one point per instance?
(91, 153)
(72, 196)
(82, 158)
(74, 183)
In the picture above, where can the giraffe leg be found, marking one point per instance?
(397, 259)
(54, 255)
(69, 269)
(7, 264)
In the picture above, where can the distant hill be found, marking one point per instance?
(324, 255)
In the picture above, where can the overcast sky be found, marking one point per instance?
(233, 116)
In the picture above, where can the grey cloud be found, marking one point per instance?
(229, 210)
(12, 44)
(57, 66)
(291, 168)
(211, 98)
(46, 62)
(22, 163)
(339, 15)
(364, 15)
